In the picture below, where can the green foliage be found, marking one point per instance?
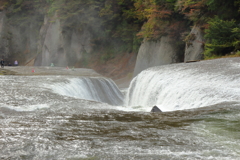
(238, 53)
(220, 31)
(222, 37)
(24, 12)
(120, 25)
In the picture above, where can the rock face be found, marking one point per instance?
(60, 46)
(155, 109)
(4, 42)
(194, 45)
(157, 53)
(18, 41)
(43, 42)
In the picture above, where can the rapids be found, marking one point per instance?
(68, 116)
(186, 86)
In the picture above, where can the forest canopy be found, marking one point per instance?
(129, 21)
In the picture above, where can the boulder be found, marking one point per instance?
(155, 109)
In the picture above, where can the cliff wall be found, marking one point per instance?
(61, 47)
(18, 41)
(194, 45)
(164, 51)
(4, 37)
(45, 41)
(167, 51)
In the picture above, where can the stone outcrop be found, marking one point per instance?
(194, 45)
(18, 41)
(43, 41)
(4, 37)
(164, 51)
(155, 109)
(60, 46)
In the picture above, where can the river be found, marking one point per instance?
(86, 117)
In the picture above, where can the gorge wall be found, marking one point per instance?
(194, 45)
(18, 42)
(4, 42)
(42, 44)
(167, 51)
(61, 47)
(82, 33)
(164, 51)
(47, 41)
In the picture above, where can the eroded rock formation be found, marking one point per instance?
(164, 51)
(45, 41)
(63, 47)
(194, 45)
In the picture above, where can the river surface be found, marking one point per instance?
(74, 117)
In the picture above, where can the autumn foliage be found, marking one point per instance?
(127, 22)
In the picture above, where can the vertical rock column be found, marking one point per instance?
(194, 45)
(4, 37)
(62, 46)
(151, 53)
(50, 49)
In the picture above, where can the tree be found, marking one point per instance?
(222, 37)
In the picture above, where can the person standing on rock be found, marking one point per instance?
(2, 63)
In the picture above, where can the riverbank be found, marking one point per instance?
(33, 71)
(7, 72)
(43, 70)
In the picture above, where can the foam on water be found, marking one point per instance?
(63, 124)
(27, 107)
(170, 87)
(29, 93)
(185, 86)
(95, 89)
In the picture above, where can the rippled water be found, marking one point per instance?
(43, 117)
(69, 133)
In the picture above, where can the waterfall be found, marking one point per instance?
(95, 89)
(186, 85)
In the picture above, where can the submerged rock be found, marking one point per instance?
(155, 109)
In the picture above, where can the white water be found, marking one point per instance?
(185, 86)
(29, 93)
(95, 89)
(170, 87)
(69, 116)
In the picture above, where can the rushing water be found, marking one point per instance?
(70, 117)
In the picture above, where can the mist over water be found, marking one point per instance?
(75, 117)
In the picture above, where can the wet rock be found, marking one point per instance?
(155, 109)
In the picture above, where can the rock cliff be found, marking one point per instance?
(164, 51)
(18, 41)
(167, 51)
(4, 37)
(60, 46)
(194, 45)
(45, 41)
